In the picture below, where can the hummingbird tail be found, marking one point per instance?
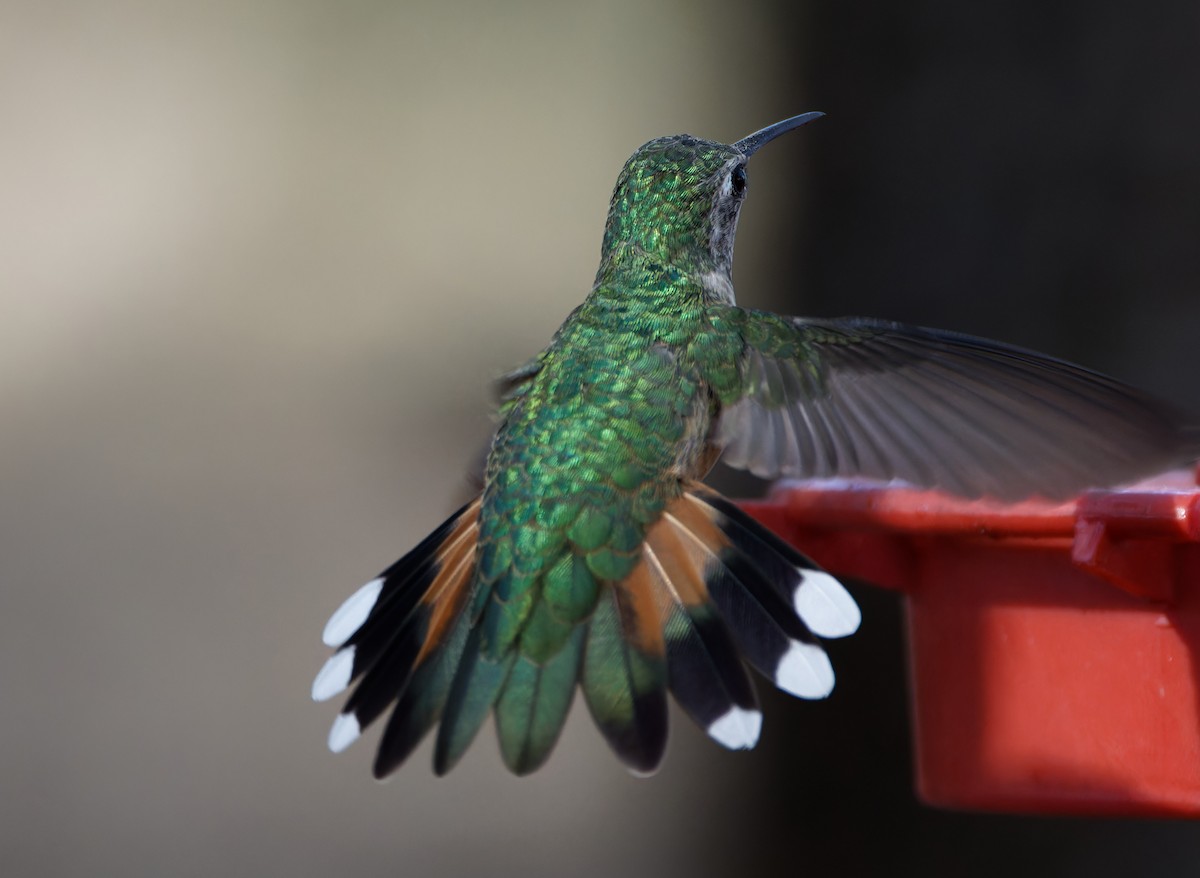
(736, 590)
(712, 586)
(402, 634)
(711, 591)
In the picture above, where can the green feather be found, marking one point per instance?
(534, 704)
(569, 589)
(476, 686)
(625, 690)
(422, 702)
(590, 530)
(546, 633)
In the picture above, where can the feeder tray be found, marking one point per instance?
(1053, 647)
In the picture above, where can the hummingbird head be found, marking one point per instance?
(677, 202)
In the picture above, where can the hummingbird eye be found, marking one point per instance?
(737, 180)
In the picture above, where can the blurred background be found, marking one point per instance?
(258, 263)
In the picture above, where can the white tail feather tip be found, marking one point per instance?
(349, 617)
(737, 728)
(825, 606)
(805, 671)
(334, 677)
(345, 732)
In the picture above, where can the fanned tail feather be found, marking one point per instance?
(624, 676)
(534, 704)
(421, 705)
(394, 632)
(712, 591)
(706, 673)
(477, 684)
(776, 642)
(821, 602)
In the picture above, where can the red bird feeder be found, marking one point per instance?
(1053, 647)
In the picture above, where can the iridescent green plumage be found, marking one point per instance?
(593, 556)
(595, 442)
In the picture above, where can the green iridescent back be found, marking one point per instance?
(595, 443)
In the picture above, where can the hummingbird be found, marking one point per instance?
(595, 559)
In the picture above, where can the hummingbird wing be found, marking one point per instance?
(511, 385)
(854, 396)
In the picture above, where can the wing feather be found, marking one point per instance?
(853, 396)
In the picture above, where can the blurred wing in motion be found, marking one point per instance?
(853, 396)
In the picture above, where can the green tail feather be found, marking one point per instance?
(476, 685)
(422, 702)
(533, 707)
(625, 691)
